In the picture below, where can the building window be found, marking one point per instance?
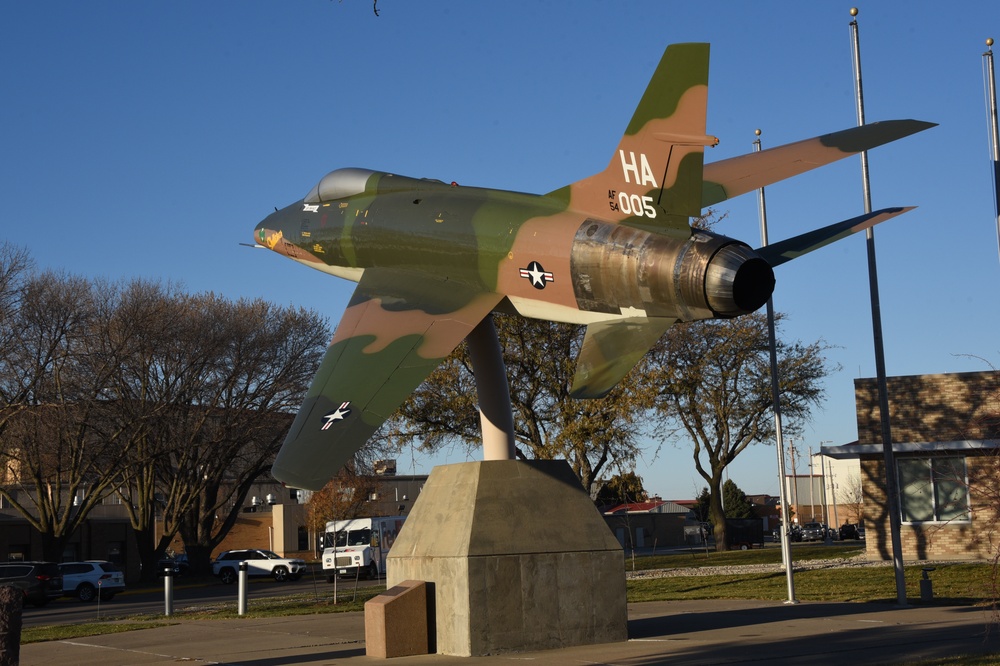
(933, 489)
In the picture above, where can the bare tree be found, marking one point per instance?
(16, 380)
(150, 336)
(715, 388)
(851, 495)
(344, 497)
(216, 384)
(58, 447)
(175, 403)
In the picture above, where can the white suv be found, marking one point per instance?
(259, 563)
(85, 580)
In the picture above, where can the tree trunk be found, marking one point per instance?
(147, 553)
(53, 547)
(717, 514)
(11, 600)
(199, 558)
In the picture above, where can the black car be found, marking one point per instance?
(40, 582)
(794, 534)
(178, 565)
(851, 531)
(813, 532)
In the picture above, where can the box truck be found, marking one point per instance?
(358, 547)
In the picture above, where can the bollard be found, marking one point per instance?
(168, 591)
(926, 586)
(242, 603)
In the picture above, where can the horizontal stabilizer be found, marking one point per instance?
(792, 248)
(610, 350)
(726, 179)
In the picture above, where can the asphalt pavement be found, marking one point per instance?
(675, 632)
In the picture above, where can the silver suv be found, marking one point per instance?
(259, 563)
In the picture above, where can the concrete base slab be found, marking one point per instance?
(517, 556)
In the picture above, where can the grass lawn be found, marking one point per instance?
(955, 584)
(697, 557)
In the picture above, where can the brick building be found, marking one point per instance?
(946, 451)
(650, 524)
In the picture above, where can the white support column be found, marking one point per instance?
(495, 415)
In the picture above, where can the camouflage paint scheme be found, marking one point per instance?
(614, 252)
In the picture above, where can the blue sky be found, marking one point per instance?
(147, 139)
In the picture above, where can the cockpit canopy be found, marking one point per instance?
(339, 184)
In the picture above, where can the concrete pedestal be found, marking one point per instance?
(517, 556)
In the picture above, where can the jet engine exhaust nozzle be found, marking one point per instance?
(737, 281)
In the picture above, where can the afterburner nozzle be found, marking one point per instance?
(737, 281)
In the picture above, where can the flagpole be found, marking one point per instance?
(892, 500)
(991, 98)
(786, 547)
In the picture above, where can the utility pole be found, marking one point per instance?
(812, 500)
(833, 491)
(795, 479)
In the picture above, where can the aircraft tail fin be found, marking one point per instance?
(654, 179)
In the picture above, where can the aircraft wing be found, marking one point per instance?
(397, 328)
(792, 248)
(726, 179)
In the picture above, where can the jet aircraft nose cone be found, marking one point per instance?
(269, 230)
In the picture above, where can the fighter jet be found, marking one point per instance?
(615, 252)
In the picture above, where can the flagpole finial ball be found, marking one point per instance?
(854, 11)
(757, 132)
(989, 41)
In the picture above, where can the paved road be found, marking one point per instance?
(187, 595)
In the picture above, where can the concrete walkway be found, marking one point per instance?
(678, 632)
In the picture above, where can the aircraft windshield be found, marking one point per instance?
(351, 538)
(339, 184)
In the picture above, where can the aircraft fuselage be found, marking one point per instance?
(550, 262)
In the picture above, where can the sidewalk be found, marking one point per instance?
(681, 632)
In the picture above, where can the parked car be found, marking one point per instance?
(178, 565)
(813, 532)
(259, 563)
(40, 582)
(849, 531)
(87, 580)
(795, 534)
